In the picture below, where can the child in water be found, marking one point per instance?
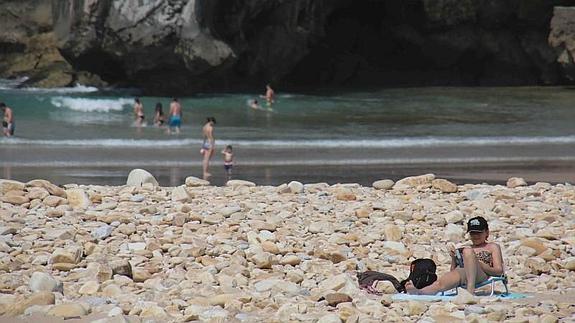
(228, 160)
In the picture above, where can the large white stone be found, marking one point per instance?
(569, 264)
(78, 198)
(384, 184)
(138, 177)
(415, 181)
(454, 232)
(181, 194)
(69, 255)
(7, 185)
(295, 187)
(516, 182)
(40, 281)
(239, 182)
(396, 246)
(215, 314)
(192, 181)
(454, 216)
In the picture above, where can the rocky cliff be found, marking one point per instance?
(184, 46)
(562, 39)
(28, 46)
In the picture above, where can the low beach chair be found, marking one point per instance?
(491, 281)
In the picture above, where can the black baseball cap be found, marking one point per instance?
(477, 224)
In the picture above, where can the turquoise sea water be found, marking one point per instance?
(86, 127)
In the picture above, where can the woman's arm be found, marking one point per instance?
(451, 248)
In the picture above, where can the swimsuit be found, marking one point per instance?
(228, 164)
(206, 145)
(175, 121)
(485, 257)
(10, 127)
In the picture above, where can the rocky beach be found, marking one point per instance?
(247, 253)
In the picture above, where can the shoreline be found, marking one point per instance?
(243, 252)
(460, 173)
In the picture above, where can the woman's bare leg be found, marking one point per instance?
(446, 282)
(473, 271)
(206, 162)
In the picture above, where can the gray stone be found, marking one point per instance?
(102, 232)
(384, 184)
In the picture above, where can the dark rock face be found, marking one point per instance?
(434, 42)
(562, 38)
(185, 46)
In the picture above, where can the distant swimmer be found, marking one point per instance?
(138, 112)
(255, 105)
(228, 160)
(8, 125)
(159, 118)
(175, 121)
(208, 146)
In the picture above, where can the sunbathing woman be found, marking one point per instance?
(473, 264)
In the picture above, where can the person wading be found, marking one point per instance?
(208, 146)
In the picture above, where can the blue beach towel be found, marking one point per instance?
(450, 297)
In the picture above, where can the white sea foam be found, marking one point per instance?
(14, 84)
(91, 105)
(6, 84)
(416, 142)
(78, 88)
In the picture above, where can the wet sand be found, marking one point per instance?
(494, 164)
(491, 173)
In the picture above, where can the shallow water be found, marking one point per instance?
(89, 129)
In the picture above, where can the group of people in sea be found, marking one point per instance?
(174, 122)
(8, 125)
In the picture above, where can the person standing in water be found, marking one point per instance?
(175, 121)
(138, 112)
(270, 94)
(208, 146)
(159, 119)
(8, 125)
(228, 160)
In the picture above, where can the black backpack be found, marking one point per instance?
(421, 273)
